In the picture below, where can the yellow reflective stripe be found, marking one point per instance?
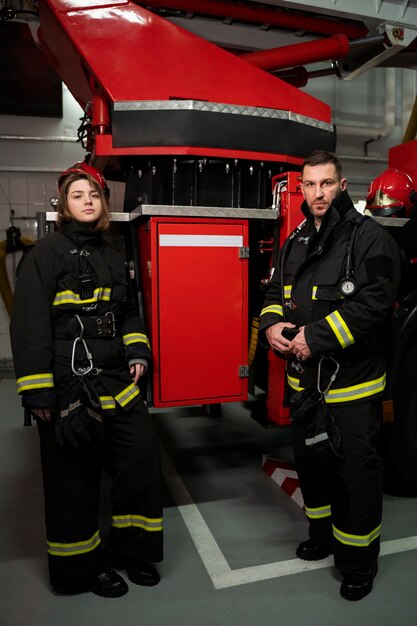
(150, 524)
(74, 549)
(125, 396)
(287, 291)
(135, 338)
(107, 402)
(345, 394)
(70, 297)
(272, 308)
(34, 381)
(314, 294)
(340, 329)
(359, 541)
(356, 392)
(319, 512)
(294, 383)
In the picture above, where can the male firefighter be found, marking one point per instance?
(334, 286)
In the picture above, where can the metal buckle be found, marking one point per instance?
(109, 326)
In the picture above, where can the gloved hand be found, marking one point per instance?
(76, 427)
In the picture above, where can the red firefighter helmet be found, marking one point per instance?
(391, 192)
(84, 168)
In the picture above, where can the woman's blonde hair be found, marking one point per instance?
(62, 208)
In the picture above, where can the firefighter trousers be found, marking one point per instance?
(344, 504)
(127, 449)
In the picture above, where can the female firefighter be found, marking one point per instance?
(79, 349)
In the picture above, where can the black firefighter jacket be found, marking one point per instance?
(352, 329)
(49, 294)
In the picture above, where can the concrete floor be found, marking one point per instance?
(230, 537)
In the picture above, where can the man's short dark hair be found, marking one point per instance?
(322, 157)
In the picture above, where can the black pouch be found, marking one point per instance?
(321, 434)
(303, 403)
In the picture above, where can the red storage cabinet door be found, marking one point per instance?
(202, 330)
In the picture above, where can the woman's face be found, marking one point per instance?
(84, 202)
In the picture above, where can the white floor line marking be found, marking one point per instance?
(221, 574)
(394, 546)
(206, 545)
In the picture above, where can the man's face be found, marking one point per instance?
(320, 186)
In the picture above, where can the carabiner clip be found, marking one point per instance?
(332, 377)
(81, 371)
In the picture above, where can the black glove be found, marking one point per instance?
(76, 428)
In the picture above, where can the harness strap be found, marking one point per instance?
(103, 326)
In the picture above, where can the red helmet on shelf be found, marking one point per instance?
(84, 168)
(391, 192)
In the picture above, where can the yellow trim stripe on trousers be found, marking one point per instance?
(139, 521)
(76, 548)
(359, 541)
(319, 512)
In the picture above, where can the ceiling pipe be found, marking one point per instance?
(296, 76)
(335, 47)
(299, 76)
(258, 15)
(329, 71)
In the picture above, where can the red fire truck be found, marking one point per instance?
(209, 146)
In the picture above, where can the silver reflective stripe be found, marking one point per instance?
(340, 329)
(360, 541)
(70, 297)
(316, 439)
(135, 338)
(76, 548)
(294, 383)
(272, 308)
(125, 396)
(107, 402)
(140, 521)
(356, 392)
(35, 381)
(319, 512)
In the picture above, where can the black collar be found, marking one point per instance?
(80, 233)
(338, 209)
